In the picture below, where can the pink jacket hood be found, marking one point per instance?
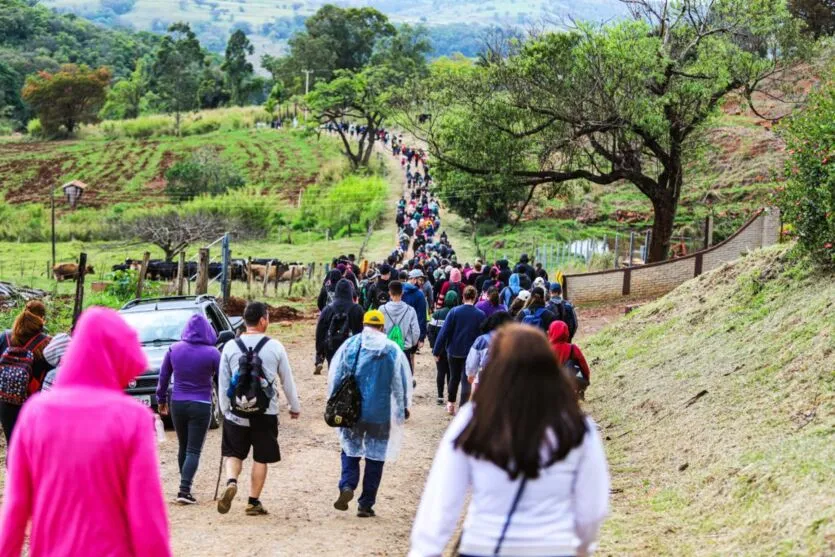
(83, 464)
(104, 353)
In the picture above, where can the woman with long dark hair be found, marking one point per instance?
(534, 463)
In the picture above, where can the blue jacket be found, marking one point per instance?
(413, 296)
(461, 327)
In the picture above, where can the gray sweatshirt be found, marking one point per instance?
(401, 313)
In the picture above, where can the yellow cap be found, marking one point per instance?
(375, 318)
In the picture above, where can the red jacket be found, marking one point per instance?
(558, 336)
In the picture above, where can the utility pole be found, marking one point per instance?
(306, 88)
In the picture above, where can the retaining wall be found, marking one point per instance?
(657, 279)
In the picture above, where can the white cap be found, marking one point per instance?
(524, 295)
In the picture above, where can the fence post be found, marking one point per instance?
(617, 246)
(181, 271)
(249, 278)
(267, 277)
(646, 246)
(202, 285)
(143, 270)
(631, 247)
(224, 272)
(278, 270)
(709, 231)
(48, 269)
(289, 288)
(79, 288)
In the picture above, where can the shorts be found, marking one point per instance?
(261, 435)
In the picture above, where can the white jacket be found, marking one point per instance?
(559, 513)
(401, 313)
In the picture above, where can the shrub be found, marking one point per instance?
(346, 208)
(34, 128)
(204, 172)
(808, 200)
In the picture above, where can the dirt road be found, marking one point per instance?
(301, 489)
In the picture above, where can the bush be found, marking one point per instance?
(34, 128)
(123, 285)
(204, 172)
(346, 208)
(808, 200)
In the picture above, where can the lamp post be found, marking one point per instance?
(73, 192)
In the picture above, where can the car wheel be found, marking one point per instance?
(216, 418)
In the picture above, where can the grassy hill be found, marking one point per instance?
(717, 406)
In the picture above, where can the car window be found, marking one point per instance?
(159, 326)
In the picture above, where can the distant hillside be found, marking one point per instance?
(717, 407)
(270, 24)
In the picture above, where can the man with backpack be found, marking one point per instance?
(535, 313)
(402, 325)
(378, 292)
(563, 310)
(413, 295)
(250, 370)
(381, 372)
(339, 321)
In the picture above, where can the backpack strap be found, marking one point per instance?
(241, 345)
(356, 359)
(35, 342)
(510, 515)
(261, 344)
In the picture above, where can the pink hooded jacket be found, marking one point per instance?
(83, 461)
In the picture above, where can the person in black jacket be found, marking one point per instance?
(339, 321)
(326, 294)
(524, 267)
(378, 292)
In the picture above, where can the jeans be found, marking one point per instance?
(442, 378)
(8, 419)
(191, 422)
(350, 478)
(456, 377)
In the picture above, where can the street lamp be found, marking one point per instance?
(73, 192)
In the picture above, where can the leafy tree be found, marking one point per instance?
(119, 7)
(819, 15)
(808, 201)
(213, 92)
(627, 101)
(179, 68)
(124, 99)
(203, 173)
(68, 98)
(237, 68)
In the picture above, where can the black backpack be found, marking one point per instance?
(249, 390)
(565, 313)
(344, 408)
(339, 331)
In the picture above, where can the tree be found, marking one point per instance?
(173, 232)
(203, 173)
(819, 15)
(627, 101)
(67, 98)
(178, 69)
(124, 99)
(237, 68)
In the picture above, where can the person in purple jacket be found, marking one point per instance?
(194, 362)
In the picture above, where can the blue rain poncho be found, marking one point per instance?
(385, 383)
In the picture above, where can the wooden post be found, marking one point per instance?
(290, 288)
(709, 231)
(48, 269)
(202, 285)
(278, 271)
(181, 271)
(631, 248)
(617, 246)
(267, 277)
(143, 269)
(311, 271)
(79, 288)
(249, 278)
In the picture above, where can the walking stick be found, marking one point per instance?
(219, 472)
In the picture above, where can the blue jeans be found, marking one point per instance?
(191, 422)
(370, 481)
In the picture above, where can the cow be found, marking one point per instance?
(258, 272)
(63, 271)
(162, 270)
(293, 273)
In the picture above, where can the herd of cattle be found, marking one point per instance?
(160, 270)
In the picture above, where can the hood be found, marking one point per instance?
(104, 353)
(451, 299)
(344, 291)
(334, 276)
(395, 311)
(409, 288)
(558, 332)
(503, 263)
(199, 331)
(515, 286)
(455, 276)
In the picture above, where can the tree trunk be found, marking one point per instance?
(665, 206)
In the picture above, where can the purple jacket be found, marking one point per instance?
(488, 308)
(194, 362)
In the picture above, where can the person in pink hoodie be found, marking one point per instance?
(83, 464)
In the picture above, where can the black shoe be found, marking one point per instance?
(345, 497)
(366, 513)
(186, 499)
(414, 383)
(441, 401)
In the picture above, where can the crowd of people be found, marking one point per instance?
(501, 337)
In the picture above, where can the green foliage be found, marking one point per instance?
(808, 200)
(178, 69)
(236, 66)
(350, 206)
(126, 99)
(34, 128)
(67, 98)
(202, 173)
(819, 15)
(123, 286)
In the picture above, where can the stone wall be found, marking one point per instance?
(657, 279)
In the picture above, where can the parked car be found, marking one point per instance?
(159, 322)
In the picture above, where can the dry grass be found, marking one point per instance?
(749, 467)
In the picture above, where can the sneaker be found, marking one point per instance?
(186, 499)
(345, 497)
(256, 510)
(414, 383)
(441, 401)
(450, 408)
(318, 370)
(225, 501)
(366, 513)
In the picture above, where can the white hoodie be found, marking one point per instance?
(401, 313)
